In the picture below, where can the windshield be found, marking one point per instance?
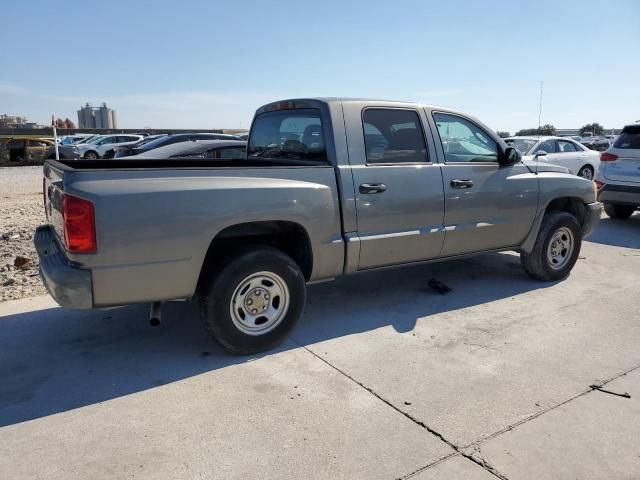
(85, 140)
(164, 140)
(522, 145)
(95, 139)
(288, 134)
(148, 140)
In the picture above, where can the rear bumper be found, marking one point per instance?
(68, 285)
(591, 218)
(620, 194)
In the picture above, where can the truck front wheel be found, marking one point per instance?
(254, 300)
(556, 249)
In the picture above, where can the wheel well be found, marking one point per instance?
(574, 206)
(289, 237)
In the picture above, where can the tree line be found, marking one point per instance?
(592, 128)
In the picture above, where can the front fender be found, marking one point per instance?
(554, 186)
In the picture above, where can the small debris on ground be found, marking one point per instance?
(599, 388)
(21, 212)
(23, 263)
(439, 287)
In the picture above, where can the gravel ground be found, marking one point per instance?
(21, 212)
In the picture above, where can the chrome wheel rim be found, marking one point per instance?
(586, 173)
(259, 303)
(560, 248)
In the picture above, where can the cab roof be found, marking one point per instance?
(282, 104)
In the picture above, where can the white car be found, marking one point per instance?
(618, 177)
(562, 151)
(96, 147)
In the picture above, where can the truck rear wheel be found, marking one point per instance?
(254, 300)
(556, 249)
(619, 211)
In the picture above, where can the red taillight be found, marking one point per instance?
(599, 184)
(79, 224)
(608, 157)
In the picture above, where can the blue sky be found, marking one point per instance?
(210, 64)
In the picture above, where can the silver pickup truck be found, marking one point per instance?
(328, 187)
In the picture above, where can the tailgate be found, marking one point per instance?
(53, 189)
(626, 168)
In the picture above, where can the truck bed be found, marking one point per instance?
(156, 219)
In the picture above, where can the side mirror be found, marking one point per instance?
(540, 153)
(511, 156)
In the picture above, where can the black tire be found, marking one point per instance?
(586, 172)
(536, 263)
(91, 155)
(620, 212)
(216, 299)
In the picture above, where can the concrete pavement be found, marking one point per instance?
(383, 378)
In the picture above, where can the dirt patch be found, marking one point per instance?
(21, 211)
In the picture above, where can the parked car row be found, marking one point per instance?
(562, 151)
(128, 145)
(595, 142)
(146, 145)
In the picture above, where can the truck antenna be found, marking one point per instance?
(540, 107)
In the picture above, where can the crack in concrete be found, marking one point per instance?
(478, 459)
(482, 463)
(430, 465)
(542, 412)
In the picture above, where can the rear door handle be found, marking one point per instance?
(372, 188)
(461, 183)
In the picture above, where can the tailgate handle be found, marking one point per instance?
(372, 188)
(461, 183)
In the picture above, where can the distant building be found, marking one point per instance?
(97, 117)
(10, 121)
(17, 122)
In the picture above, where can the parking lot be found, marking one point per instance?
(384, 378)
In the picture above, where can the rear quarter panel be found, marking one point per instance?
(154, 226)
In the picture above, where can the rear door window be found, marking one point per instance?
(288, 134)
(393, 136)
(565, 147)
(548, 146)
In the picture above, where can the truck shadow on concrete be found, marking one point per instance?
(618, 233)
(56, 360)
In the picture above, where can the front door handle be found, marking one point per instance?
(372, 188)
(461, 183)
